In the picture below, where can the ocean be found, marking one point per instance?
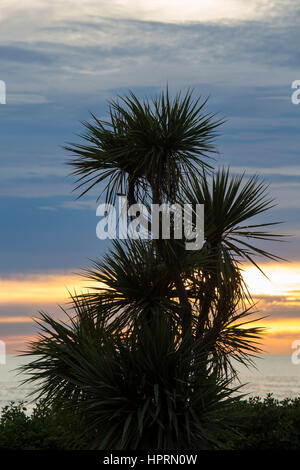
(11, 388)
(273, 374)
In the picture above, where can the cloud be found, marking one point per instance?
(271, 170)
(206, 10)
(79, 205)
(72, 205)
(23, 55)
(32, 171)
(25, 98)
(19, 320)
(123, 43)
(38, 190)
(40, 288)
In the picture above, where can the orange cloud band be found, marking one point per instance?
(282, 292)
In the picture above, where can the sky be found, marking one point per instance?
(62, 60)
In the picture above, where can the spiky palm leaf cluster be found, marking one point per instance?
(146, 144)
(132, 284)
(137, 391)
(136, 281)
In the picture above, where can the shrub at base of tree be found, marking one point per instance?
(264, 424)
(42, 430)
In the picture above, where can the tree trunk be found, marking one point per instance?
(175, 275)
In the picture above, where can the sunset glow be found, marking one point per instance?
(41, 288)
(278, 300)
(280, 280)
